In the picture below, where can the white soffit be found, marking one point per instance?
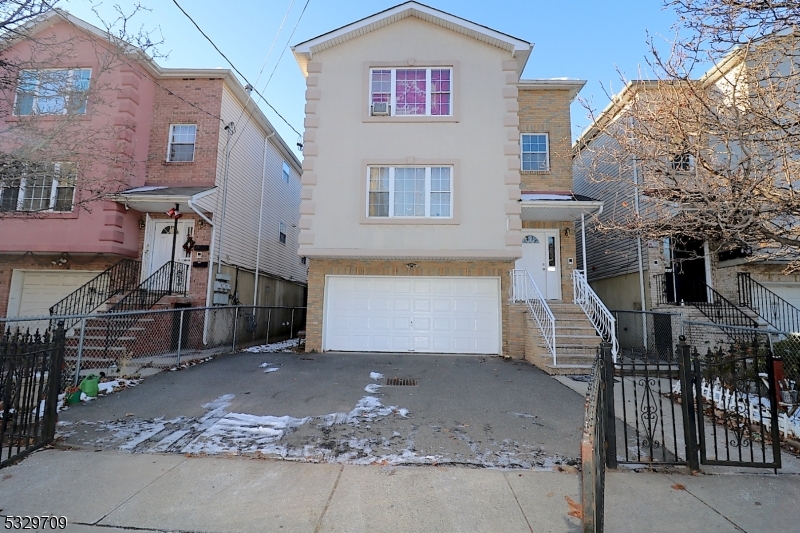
(518, 48)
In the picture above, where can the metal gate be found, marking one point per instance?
(30, 380)
(718, 408)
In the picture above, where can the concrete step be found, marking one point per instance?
(567, 370)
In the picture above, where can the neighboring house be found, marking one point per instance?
(678, 274)
(171, 131)
(431, 172)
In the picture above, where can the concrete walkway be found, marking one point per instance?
(113, 491)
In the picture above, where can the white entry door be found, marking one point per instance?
(161, 244)
(459, 315)
(541, 252)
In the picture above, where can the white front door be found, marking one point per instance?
(541, 252)
(161, 244)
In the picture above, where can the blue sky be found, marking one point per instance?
(582, 39)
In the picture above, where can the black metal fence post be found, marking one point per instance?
(610, 414)
(687, 404)
(54, 384)
(775, 435)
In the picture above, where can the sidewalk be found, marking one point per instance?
(102, 491)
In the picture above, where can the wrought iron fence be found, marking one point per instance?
(30, 376)
(596, 451)
(156, 340)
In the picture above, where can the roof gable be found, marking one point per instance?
(519, 49)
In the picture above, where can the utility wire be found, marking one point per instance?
(266, 59)
(275, 68)
(239, 72)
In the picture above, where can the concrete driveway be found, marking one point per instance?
(338, 407)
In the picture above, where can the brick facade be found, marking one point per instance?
(174, 107)
(547, 111)
(319, 268)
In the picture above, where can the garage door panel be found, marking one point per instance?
(422, 305)
(379, 323)
(401, 304)
(442, 324)
(383, 313)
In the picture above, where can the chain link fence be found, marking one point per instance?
(715, 341)
(141, 343)
(654, 335)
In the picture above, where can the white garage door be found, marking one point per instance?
(40, 290)
(412, 314)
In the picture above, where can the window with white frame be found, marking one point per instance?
(411, 91)
(410, 192)
(181, 143)
(52, 91)
(535, 153)
(287, 172)
(282, 233)
(37, 187)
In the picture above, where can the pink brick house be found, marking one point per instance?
(99, 142)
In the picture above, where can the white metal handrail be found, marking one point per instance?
(598, 314)
(525, 290)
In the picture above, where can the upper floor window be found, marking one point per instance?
(282, 233)
(287, 172)
(535, 153)
(410, 192)
(411, 91)
(36, 187)
(181, 142)
(52, 91)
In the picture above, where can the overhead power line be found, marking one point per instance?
(239, 72)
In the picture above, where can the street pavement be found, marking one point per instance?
(117, 491)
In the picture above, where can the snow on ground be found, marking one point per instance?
(375, 375)
(283, 346)
(370, 433)
(273, 369)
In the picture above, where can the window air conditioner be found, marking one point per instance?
(380, 108)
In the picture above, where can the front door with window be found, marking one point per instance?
(541, 258)
(161, 244)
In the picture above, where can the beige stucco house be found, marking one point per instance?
(431, 171)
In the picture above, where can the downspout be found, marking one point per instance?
(192, 205)
(230, 129)
(639, 251)
(260, 217)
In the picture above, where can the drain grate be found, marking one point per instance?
(401, 382)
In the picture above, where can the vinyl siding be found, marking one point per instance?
(608, 253)
(249, 163)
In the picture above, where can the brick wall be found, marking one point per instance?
(547, 111)
(205, 93)
(319, 268)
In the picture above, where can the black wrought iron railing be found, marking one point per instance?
(120, 278)
(776, 311)
(721, 310)
(170, 279)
